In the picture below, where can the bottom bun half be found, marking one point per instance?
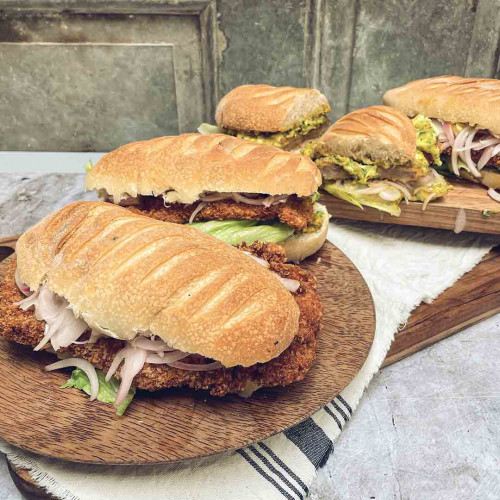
(299, 247)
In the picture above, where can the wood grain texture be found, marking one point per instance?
(177, 424)
(474, 297)
(439, 214)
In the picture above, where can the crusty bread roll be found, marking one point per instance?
(377, 133)
(126, 274)
(264, 108)
(475, 101)
(300, 246)
(190, 164)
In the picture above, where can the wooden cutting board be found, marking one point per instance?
(178, 424)
(474, 297)
(482, 212)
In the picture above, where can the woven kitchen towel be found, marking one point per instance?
(403, 267)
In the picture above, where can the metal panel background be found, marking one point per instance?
(162, 65)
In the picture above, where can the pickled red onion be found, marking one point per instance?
(84, 365)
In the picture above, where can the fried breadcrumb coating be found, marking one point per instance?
(290, 366)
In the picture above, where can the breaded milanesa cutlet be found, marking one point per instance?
(290, 366)
(295, 212)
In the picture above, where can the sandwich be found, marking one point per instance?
(284, 117)
(458, 124)
(154, 305)
(371, 157)
(233, 189)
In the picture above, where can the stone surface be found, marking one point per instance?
(428, 426)
(396, 42)
(265, 42)
(92, 82)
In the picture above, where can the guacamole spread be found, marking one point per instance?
(427, 139)
(280, 139)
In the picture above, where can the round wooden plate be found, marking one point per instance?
(177, 424)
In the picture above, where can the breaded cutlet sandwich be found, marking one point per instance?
(285, 117)
(137, 302)
(458, 124)
(371, 157)
(235, 190)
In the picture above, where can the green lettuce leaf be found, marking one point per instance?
(107, 390)
(348, 193)
(88, 166)
(235, 232)
(208, 128)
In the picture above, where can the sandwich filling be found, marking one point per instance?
(460, 150)
(45, 320)
(381, 184)
(235, 217)
(282, 139)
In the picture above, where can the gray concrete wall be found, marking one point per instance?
(90, 75)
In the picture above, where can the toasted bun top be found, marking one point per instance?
(475, 101)
(129, 274)
(190, 164)
(264, 108)
(377, 133)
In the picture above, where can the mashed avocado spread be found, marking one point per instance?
(427, 139)
(280, 139)
(361, 172)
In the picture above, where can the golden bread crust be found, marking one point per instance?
(475, 101)
(127, 274)
(191, 164)
(264, 108)
(378, 133)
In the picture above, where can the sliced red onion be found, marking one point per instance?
(24, 288)
(249, 201)
(459, 141)
(448, 131)
(216, 197)
(468, 156)
(460, 221)
(132, 365)
(198, 209)
(197, 368)
(29, 301)
(119, 356)
(494, 194)
(84, 365)
(150, 345)
(273, 200)
(167, 359)
(260, 261)
(290, 285)
(481, 144)
(70, 330)
(485, 157)
(437, 125)
(427, 200)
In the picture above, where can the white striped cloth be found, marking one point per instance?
(403, 267)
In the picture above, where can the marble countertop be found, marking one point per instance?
(437, 438)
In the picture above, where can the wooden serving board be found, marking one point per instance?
(438, 214)
(474, 297)
(178, 424)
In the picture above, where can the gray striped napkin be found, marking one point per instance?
(403, 267)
